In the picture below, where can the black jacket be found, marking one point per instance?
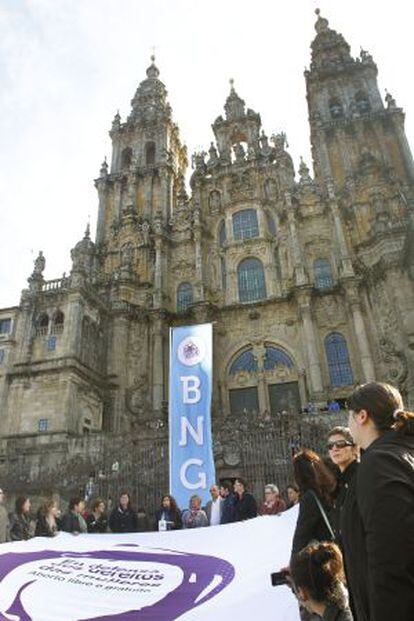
(245, 507)
(345, 481)
(383, 538)
(310, 525)
(173, 518)
(123, 521)
(43, 527)
(96, 525)
(20, 527)
(71, 522)
(227, 510)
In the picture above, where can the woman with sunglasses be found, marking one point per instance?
(343, 453)
(379, 542)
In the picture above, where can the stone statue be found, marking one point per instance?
(390, 100)
(39, 264)
(239, 152)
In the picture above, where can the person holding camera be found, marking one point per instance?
(318, 580)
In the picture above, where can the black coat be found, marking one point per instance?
(43, 527)
(382, 538)
(245, 507)
(345, 481)
(174, 518)
(227, 510)
(310, 525)
(20, 527)
(71, 523)
(123, 521)
(96, 525)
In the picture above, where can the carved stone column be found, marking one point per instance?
(102, 187)
(346, 263)
(309, 335)
(360, 332)
(298, 262)
(157, 363)
(198, 256)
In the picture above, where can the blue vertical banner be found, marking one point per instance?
(192, 468)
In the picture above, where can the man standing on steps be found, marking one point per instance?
(214, 506)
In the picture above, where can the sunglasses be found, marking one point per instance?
(340, 444)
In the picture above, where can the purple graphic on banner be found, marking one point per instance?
(203, 577)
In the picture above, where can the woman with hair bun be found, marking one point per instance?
(318, 579)
(379, 545)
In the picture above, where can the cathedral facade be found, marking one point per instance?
(307, 278)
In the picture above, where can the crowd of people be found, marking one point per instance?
(352, 556)
(230, 502)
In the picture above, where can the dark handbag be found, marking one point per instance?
(323, 514)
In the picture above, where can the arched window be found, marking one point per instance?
(245, 362)
(42, 324)
(58, 322)
(362, 102)
(339, 366)
(275, 356)
(322, 271)
(270, 224)
(223, 273)
(150, 153)
(222, 233)
(335, 108)
(245, 224)
(251, 280)
(184, 296)
(126, 157)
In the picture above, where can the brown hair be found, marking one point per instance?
(96, 503)
(173, 504)
(46, 506)
(20, 500)
(318, 568)
(384, 405)
(311, 473)
(341, 431)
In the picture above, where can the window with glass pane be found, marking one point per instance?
(245, 362)
(5, 326)
(251, 280)
(275, 356)
(51, 343)
(184, 296)
(222, 233)
(244, 400)
(43, 424)
(340, 371)
(2, 354)
(245, 224)
(323, 274)
(271, 224)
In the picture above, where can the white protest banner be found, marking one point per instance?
(203, 574)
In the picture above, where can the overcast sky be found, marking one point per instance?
(66, 66)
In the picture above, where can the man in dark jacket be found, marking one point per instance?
(229, 499)
(123, 518)
(245, 506)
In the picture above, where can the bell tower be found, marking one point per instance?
(138, 191)
(350, 126)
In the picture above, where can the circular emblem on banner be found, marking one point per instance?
(191, 351)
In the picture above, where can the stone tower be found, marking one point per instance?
(350, 126)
